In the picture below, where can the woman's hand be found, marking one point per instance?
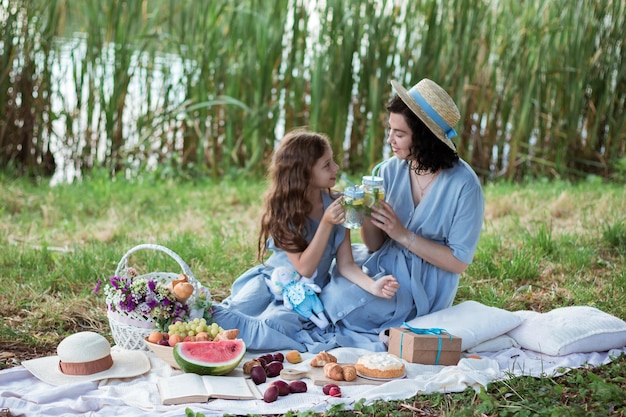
(385, 287)
(385, 218)
(439, 255)
(335, 213)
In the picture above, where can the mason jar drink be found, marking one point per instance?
(353, 205)
(373, 191)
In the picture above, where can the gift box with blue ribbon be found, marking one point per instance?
(431, 346)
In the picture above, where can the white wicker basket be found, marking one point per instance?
(130, 329)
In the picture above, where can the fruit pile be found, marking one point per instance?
(264, 366)
(280, 388)
(269, 366)
(196, 330)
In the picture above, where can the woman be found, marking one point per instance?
(301, 225)
(426, 233)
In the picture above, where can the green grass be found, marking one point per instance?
(544, 245)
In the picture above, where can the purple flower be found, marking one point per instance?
(151, 302)
(129, 303)
(95, 290)
(115, 282)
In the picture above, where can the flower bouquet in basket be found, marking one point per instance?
(140, 305)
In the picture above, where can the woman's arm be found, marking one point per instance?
(384, 287)
(434, 253)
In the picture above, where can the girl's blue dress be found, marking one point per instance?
(264, 323)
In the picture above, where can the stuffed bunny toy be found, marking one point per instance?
(299, 294)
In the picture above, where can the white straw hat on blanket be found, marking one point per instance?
(433, 106)
(85, 357)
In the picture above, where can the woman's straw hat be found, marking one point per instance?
(433, 106)
(87, 356)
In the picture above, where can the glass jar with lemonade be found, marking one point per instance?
(353, 205)
(373, 191)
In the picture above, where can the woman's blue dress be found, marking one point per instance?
(451, 213)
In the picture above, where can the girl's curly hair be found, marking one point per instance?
(285, 205)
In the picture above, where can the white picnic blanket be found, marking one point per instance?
(23, 394)
(508, 344)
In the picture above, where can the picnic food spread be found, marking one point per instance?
(380, 365)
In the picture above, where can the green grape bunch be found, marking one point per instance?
(194, 328)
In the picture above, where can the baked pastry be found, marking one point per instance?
(322, 359)
(333, 371)
(349, 372)
(380, 365)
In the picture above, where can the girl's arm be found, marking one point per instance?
(384, 287)
(306, 262)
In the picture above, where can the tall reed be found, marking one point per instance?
(206, 88)
(26, 46)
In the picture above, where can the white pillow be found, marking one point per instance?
(527, 314)
(496, 344)
(472, 321)
(574, 329)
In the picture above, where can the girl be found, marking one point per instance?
(301, 227)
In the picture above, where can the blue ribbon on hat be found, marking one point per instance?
(434, 331)
(430, 112)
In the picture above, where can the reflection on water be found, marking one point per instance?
(155, 82)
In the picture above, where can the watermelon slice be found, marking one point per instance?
(209, 357)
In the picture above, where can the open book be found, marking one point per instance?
(194, 388)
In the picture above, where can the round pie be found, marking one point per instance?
(380, 365)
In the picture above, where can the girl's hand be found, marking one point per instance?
(385, 287)
(335, 213)
(385, 218)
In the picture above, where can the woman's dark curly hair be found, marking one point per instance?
(428, 153)
(285, 206)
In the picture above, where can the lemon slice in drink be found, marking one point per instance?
(369, 200)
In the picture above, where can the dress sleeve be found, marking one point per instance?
(467, 222)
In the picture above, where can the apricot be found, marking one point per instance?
(154, 337)
(293, 356)
(203, 337)
(174, 339)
